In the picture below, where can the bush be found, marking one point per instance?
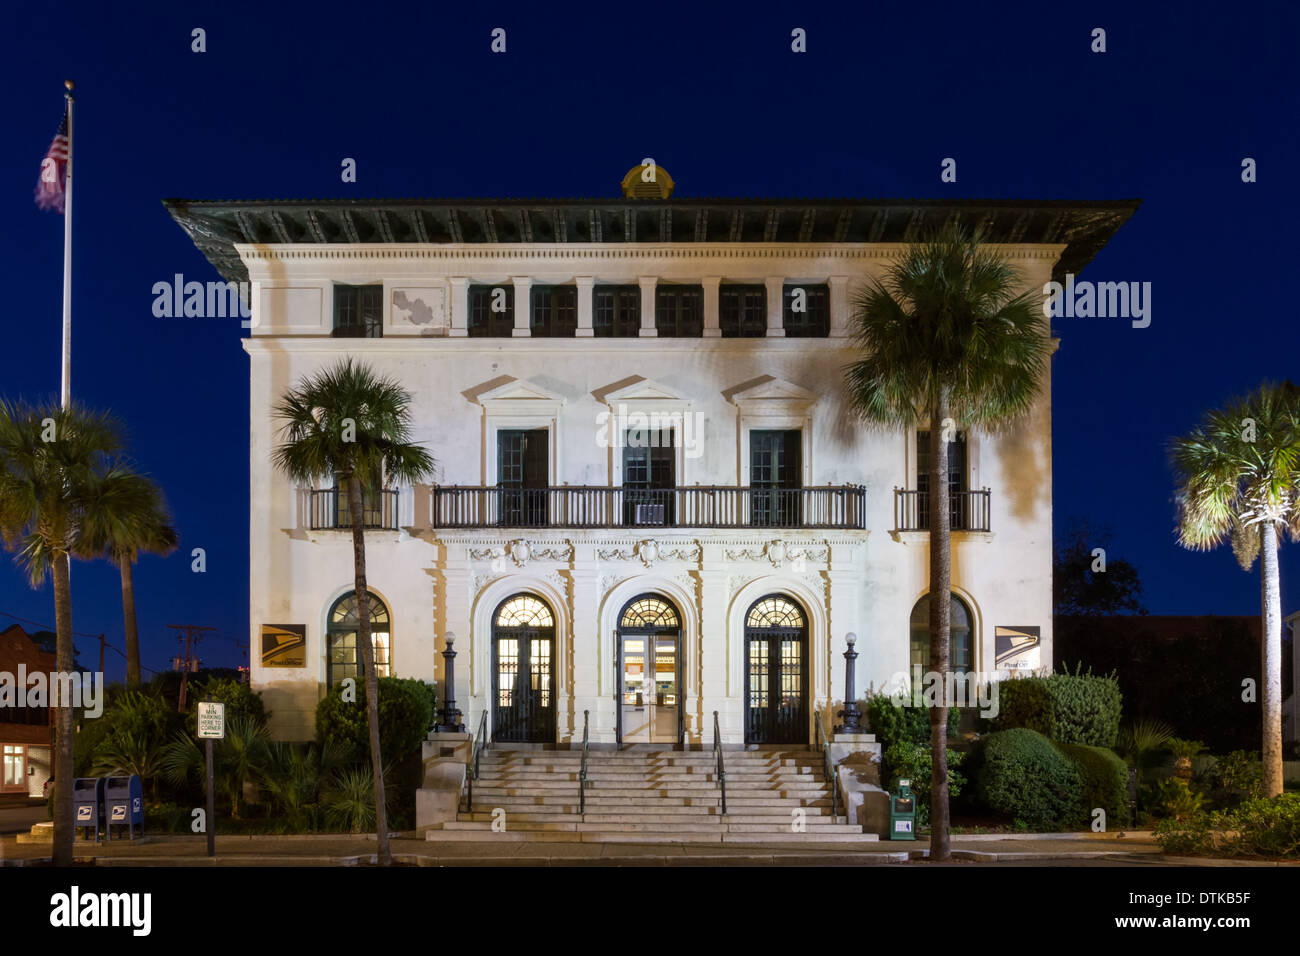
(1241, 773)
(406, 714)
(1068, 708)
(908, 761)
(892, 723)
(1191, 837)
(240, 700)
(1022, 775)
(1261, 827)
(1105, 781)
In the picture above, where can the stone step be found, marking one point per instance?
(778, 818)
(517, 836)
(520, 826)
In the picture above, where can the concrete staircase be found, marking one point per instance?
(661, 796)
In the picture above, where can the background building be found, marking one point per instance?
(652, 502)
(26, 733)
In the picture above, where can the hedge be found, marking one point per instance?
(893, 724)
(1067, 708)
(406, 714)
(1020, 773)
(1105, 782)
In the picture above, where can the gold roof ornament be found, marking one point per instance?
(647, 181)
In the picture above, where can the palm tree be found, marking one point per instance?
(50, 460)
(128, 516)
(1239, 480)
(347, 423)
(946, 342)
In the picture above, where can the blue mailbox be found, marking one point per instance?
(123, 804)
(88, 804)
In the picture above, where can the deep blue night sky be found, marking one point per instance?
(884, 92)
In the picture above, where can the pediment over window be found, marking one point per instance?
(517, 396)
(771, 396)
(644, 391)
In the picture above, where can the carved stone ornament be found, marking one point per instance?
(521, 551)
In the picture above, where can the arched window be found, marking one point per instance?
(524, 610)
(959, 658)
(775, 611)
(343, 654)
(649, 611)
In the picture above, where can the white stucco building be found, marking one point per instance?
(652, 501)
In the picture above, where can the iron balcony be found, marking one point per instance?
(967, 510)
(699, 506)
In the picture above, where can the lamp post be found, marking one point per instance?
(450, 715)
(850, 711)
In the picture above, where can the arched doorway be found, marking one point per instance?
(776, 668)
(523, 671)
(650, 706)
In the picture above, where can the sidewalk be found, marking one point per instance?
(337, 850)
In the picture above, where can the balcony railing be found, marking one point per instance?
(967, 510)
(329, 509)
(643, 508)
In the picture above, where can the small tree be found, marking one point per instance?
(348, 424)
(1239, 481)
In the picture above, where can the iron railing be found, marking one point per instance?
(827, 768)
(967, 510)
(582, 777)
(480, 744)
(720, 765)
(699, 506)
(329, 508)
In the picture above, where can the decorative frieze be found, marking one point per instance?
(521, 551)
(649, 551)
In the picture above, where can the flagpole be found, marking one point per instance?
(67, 261)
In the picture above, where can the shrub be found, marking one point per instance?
(1263, 827)
(908, 761)
(1105, 781)
(892, 723)
(1022, 775)
(241, 701)
(1068, 708)
(1190, 837)
(1177, 800)
(406, 714)
(1242, 773)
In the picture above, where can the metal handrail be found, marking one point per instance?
(721, 764)
(480, 744)
(827, 768)
(582, 777)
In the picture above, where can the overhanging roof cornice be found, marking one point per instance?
(217, 226)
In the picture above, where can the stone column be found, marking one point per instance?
(775, 307)
(459, 306)
(647, 284)
(586, 650)
(585, 285)
(840, 305)
(712, 327)
(717, 689)
(523, 305)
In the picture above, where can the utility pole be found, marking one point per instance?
(193, 634)
(101, 654)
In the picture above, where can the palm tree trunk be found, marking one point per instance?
(1271, 639)
(65, 662)
(368, 662)
(940, 628)
(128, 623)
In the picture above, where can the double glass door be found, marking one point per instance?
(649, 692)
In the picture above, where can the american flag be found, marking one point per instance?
(49, 190)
